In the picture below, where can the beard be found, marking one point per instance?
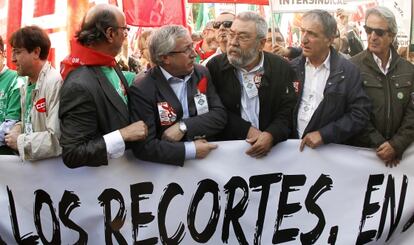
(244, 57)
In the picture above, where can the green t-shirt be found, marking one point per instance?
(10, 95)
(116, 82)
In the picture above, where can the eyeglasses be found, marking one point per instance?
(124, 28)
(379, 32)
(240, 37)
(188, 50)
(226, 24)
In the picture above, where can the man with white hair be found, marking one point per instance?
(389, 82)
(177, 101)
(256, 87)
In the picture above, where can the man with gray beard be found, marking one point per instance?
(256, 87)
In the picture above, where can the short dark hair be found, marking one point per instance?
(327, 21)
(93, 31)
(31, 37)
(1, 44)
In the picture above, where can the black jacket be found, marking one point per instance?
(344, 110)
(153, 88)
(276, 95)
(89, 108)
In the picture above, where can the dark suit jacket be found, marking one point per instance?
(153, 88)
(345, 108)
(89, 108)
(276, 95)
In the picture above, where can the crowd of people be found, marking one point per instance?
(240, 82)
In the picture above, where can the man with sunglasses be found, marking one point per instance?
(94, 109)
(177, 101)
(256, 87)
(221, 25)
(389, 82)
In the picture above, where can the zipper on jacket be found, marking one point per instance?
(388, 109)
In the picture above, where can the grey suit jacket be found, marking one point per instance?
(153, 88)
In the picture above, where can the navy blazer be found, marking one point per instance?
(152, 88)
(345, 108)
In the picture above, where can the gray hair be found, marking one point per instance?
(261, 25)
(385, 14)
(327, 21)
(163, 41)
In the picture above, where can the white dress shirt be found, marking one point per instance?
(250, 107)
(179, 86)
(314, 86)
(379, 63)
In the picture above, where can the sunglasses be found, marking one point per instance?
(379, 32)
(226, 24)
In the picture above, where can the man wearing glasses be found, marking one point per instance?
(221, 25)
(94, 110)
(389, 82)
(256, 87)
(177, 101)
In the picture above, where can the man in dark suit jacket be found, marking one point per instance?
(256, 87)
(332, 106)
(94, 105)
(177, 101)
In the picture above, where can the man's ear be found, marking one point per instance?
(331, 40)
(109, 34)
(165, 59)
(262, 43)
(36, 51)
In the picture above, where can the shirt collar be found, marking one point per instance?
(257, 67)
(167, 75)
(379, 62)
(326, 64)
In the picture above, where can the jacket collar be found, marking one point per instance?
(335, 64)
(369, 60)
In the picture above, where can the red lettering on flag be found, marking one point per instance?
(43, 7)
(153, 13)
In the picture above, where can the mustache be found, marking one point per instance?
(234, 49)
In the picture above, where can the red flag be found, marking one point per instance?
(43, 7)
(153, 13)
(257, 2)
(13, 24)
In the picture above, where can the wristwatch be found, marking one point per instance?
(182, 127)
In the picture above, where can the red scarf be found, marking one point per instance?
(203, 55)
(81, 55)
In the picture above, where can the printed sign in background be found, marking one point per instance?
(331, 195)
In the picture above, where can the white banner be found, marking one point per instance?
(332, 195)
(297, 6)
(402, 11)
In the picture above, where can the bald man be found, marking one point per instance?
(94, 112)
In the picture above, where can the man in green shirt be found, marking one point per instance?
(9, 100)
